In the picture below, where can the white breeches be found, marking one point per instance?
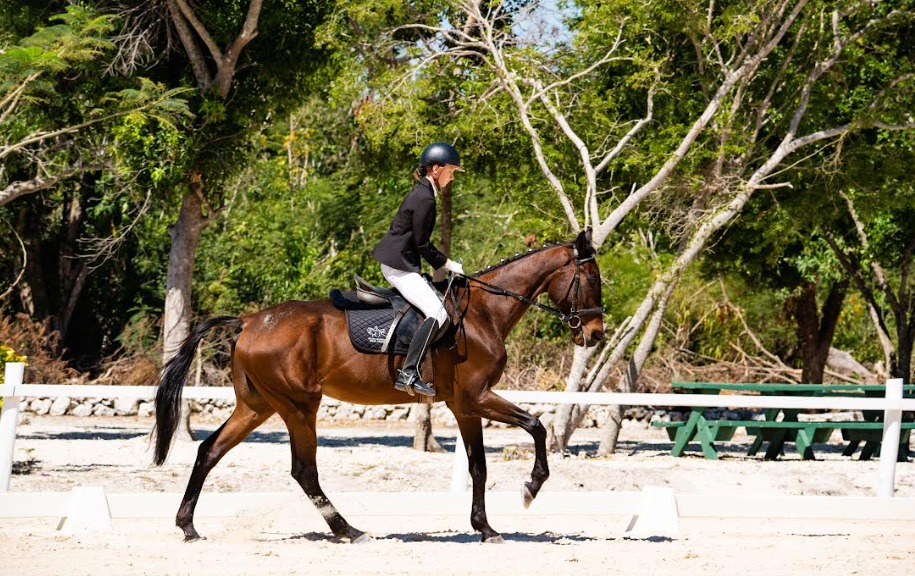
(414, 288)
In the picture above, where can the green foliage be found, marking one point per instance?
(308, 158)
(80, 37)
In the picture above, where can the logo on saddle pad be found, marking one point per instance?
(376, 334)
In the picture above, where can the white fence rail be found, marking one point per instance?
(892, 405)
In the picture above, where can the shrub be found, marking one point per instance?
(27, 338)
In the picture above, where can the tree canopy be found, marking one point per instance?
(769, 141)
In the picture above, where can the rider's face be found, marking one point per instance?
(444, 175)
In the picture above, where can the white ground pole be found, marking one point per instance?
(892, 418)
(12, 376)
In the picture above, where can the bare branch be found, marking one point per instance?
(201, 30)
(603, 60)
(100, 250)
(591, 214)
(25, 260)
(228, 64)
(639, 125)
(194, 54)
(142, 27)
(508, 80)
(41, 136)
(26, 187)
(9, 102)
(616, 216)
(772, 186)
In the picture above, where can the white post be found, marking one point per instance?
(460, 472)
(9, 416)
(889, 446)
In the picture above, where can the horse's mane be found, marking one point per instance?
(522, 255)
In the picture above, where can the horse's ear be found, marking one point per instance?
(583, 244)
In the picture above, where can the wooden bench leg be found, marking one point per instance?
(776, 445)
(873, 449)
(804, 443)
(870, 449)
(685, 434)
(851, 448)
(756, 445)
(707, 439)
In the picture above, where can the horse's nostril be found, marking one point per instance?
(599, 335)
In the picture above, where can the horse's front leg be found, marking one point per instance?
(494, 407)
(472, 433)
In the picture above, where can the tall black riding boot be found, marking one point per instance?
(409, 379)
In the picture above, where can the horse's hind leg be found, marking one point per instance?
(472, 434)
(304, 441)
(242, 422)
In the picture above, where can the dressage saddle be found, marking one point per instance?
(379, 320)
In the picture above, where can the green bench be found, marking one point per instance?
(781, 426)
(803, 434)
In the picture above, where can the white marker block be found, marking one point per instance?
(88, 511)
(658, 516)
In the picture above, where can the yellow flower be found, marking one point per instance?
(7, 354)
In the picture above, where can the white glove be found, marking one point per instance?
(454, 267)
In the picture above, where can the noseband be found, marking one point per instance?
(572, 319)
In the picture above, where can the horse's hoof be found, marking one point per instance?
(194, 538)
(526, 496)
(363, 539)
(497, 539)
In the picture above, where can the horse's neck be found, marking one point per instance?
(527, 276)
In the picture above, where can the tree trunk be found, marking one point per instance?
(628, 382)
(71, 269)
(185, 236)
(903, 364)
(561, 429)
(611, 431)
(815, 331)
(33, 293)
(423, 440)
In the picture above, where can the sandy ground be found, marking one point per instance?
(60, 453)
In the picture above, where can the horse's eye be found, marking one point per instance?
(592, 282)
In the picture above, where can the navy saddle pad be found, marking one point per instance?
(369, 324)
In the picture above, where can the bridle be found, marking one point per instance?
(573, 318)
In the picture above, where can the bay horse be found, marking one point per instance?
(286, 357)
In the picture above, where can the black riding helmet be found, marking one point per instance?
(439, 153)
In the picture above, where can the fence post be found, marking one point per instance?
(460, 473)
(9, 416)
(889, 446)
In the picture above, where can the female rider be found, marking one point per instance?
(408, 239)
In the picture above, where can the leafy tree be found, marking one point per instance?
(75, 135)
(872, 238)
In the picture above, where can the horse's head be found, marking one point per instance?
(575, 290)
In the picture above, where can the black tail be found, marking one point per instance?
(171, 384)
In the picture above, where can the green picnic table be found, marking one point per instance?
(781, 426)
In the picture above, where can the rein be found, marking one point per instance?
(572, 319)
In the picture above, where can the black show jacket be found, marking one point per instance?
(410, 234)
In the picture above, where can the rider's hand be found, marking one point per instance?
(454, 267)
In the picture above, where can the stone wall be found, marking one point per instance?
(336, 412)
